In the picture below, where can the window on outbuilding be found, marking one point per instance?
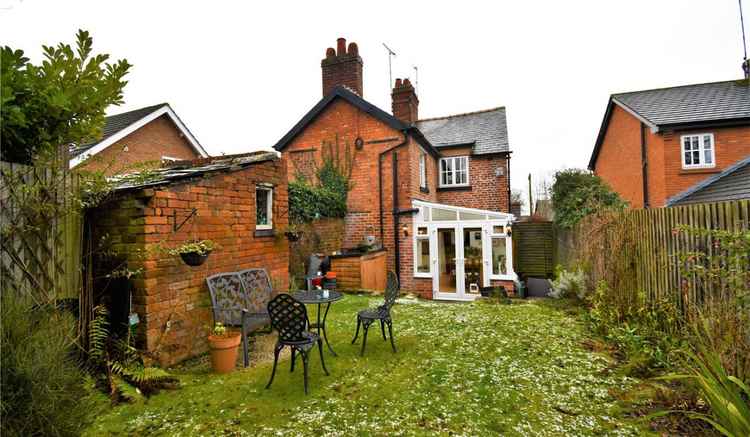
(454, 171)
(698, 151)
(263, 207)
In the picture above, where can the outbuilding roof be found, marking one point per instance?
(486, 131)
(180, 170)
(731, 184)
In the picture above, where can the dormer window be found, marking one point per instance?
(454, 171)
(698, 151)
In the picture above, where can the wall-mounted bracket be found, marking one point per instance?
(175, 226)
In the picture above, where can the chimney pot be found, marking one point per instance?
(353, 49)
(342, 68)
(341, 46)
(331, 52)
(398, 83)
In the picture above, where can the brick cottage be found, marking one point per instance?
(212, 198)
(435, 192)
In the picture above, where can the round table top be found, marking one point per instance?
(316, 296)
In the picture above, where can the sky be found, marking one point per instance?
(241, 74)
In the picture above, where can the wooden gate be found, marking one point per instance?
(534, 249)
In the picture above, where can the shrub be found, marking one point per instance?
(568, 284)
(44, 389)
(577, 193)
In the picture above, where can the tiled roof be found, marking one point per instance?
(731, 184)
(187, 169)
(704, 102)
(116, 123)
(486, 131)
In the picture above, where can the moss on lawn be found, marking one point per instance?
(461, 369)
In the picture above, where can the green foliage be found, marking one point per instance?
(117, 364)
(727, 396)
(44, 389)
(577, 193)
(308, 202)
(60, 102)
(568, 283)
(200, 247)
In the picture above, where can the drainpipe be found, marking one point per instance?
(507, 160)
(396, 236)
(380, 179)
(397, 255)
(644, 165)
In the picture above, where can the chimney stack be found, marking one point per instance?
(342, 66)
(405, 102)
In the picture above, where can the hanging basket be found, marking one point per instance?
(194, 259)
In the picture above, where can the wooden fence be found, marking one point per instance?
(645, 245)
(534, 249)
(40, 241)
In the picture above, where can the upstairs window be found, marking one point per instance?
(263, 207)
(698, 151)
(454, 171)
(422, 171)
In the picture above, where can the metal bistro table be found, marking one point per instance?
(315, 297)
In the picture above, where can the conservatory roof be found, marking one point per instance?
(441, 212)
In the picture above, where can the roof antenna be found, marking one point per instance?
(391, 54)
(745, 64)
(416, 80)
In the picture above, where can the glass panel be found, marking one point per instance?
(688, 160)
(471, 216)
(696, 157)
(499, 256)
(695, 142)
(707, 141)
(422, 230)
(443, 215)
(707, 156)
(498, 229)
(446, 260)
(423, 255)
(473, 264)
(261, 207)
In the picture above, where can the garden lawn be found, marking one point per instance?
(461, 369)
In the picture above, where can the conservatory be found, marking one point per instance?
(461, 249)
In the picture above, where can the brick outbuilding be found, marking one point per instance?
(212, 198)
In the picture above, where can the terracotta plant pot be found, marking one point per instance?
(194, 258)
(224, 352)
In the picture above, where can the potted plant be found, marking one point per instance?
(194, 252)
(223, 344)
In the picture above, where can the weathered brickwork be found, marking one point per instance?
(171, 298)
(145, 146)
(619, 160)
(486, 190)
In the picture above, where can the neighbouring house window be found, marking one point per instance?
(263, 207)
(423, 253)
(698, 151)
(454, 171)
(422, 171)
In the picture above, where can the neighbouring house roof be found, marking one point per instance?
(181, 170)
(118, 126)
(731, 184)
(486, 131)
(682, 107)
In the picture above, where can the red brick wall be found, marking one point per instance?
(486, 190)
(619, 160)
(158, 138)
(171, 298)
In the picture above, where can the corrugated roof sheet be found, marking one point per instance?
(486, 130)
(704, 102)
(187, 169)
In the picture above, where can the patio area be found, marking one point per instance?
(461, 369)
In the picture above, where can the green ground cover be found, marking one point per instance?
(461, 369)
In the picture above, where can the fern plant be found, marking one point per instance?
(120, 364)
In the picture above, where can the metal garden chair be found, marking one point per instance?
(367, 317)
(289, 318)
(231, 305)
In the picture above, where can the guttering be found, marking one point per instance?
(380, 179)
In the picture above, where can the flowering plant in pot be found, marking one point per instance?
(194, 252)
(223, 344)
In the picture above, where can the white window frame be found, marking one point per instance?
(701, 151)
(509, 274)
(269, 207)
(417, 239)
(453, 160)
(422, 171)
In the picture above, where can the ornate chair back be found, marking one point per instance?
(259, 289)
(391, 292)
(228, 298)
(288, 317)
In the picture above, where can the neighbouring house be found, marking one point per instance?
(672, 145)
(435, 192)
(143, 137)
(239, 202)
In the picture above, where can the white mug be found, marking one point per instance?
(325, 294)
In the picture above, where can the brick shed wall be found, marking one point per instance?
(147, 145)
(170, 291)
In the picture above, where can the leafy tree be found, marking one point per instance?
(577, 193)
(59, 102)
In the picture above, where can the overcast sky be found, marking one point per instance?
(240, 74)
